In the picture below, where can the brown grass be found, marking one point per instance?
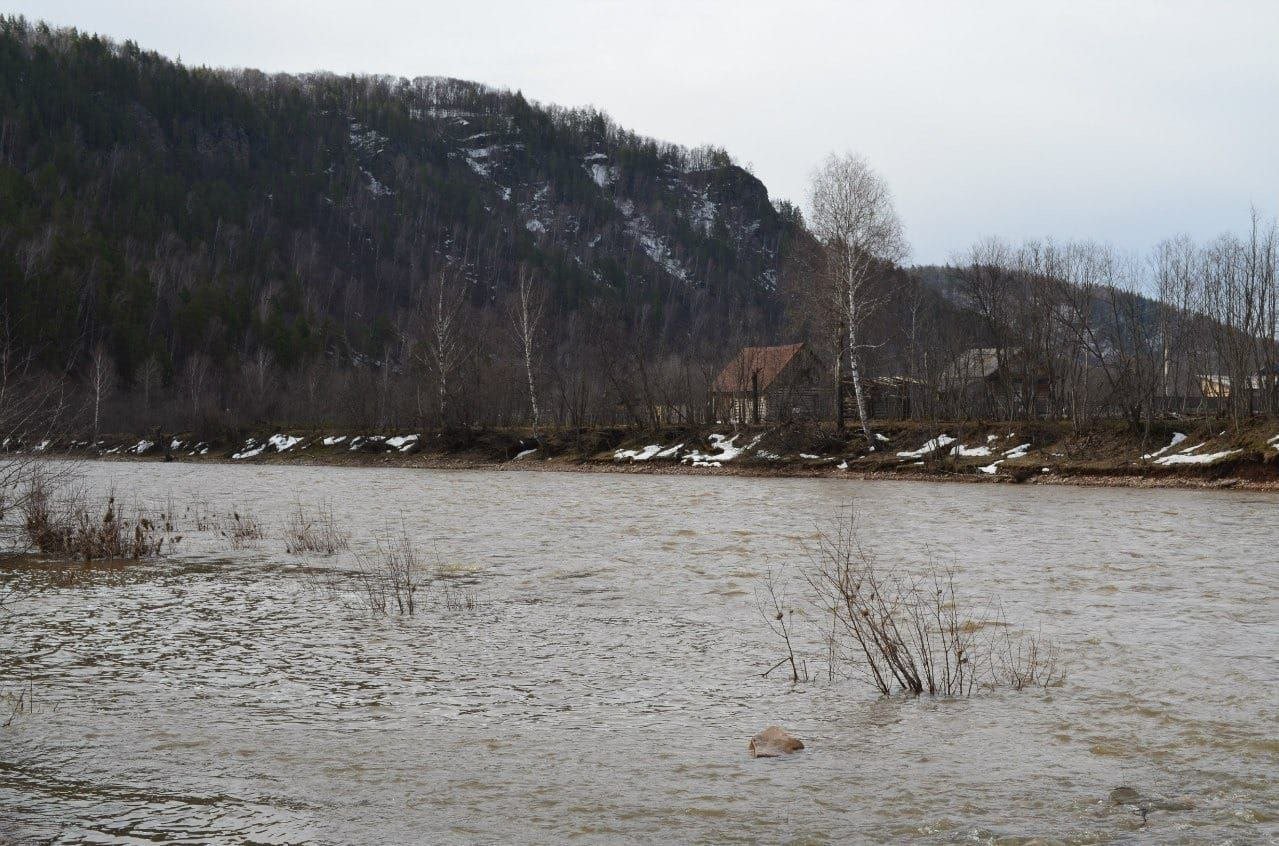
(67, 527)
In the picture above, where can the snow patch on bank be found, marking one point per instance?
(1177, 438)
(932, 446)
(251, 450)
(962, 451)
(650, 451)
(403, 443)
(283, 443)
(726, 450)
(1206, 458)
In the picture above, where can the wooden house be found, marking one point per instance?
(769, 384)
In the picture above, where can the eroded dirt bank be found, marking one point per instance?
(1203, 453)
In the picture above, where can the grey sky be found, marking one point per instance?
(1118, 122)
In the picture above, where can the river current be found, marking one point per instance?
(593, 670)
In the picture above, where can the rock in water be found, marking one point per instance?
(773, 742)
(1125, 796)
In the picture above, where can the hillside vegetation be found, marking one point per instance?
(234, 240)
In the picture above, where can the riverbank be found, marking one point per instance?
(1203, 453)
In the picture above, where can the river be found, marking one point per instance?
(603, 678)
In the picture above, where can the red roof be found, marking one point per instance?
(768, 362)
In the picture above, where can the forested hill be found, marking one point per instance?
(161, 212)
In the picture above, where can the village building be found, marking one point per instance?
(887, 397)
(770, 384)
(998, 382)
(1216, 391)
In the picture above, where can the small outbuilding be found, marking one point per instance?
(993, 381)
(769, 384)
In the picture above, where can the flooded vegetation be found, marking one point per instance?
(363, 655)
(907, 632)
(65, 525)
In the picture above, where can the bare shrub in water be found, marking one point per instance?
(392, 576)
(241, 529)
(911, 632)
(66, 527)
(1029, 660)
(397, 578)
(454, 599)
(780, 617)
(318, 533)
(19, 703)
(201, 515)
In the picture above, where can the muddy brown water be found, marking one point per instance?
(605, 684)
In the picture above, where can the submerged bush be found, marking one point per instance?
(241, 529)
(318, 533)
(67, 527)
(396, 578)
(913, 633)
(392, 575)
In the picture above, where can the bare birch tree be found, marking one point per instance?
(101, 383)
(441, 314)
(853, 217)
(526, 314)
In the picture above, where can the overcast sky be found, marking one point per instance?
(1121, 122)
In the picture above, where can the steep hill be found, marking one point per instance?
(164, 212)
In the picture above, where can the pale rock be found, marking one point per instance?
(774, 742)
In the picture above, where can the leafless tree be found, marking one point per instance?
(148, 379)
(197, 376)
(525, 314)
(441, 314)
(259, 380)
(33, 412)
(101, 383)
(853, 218)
